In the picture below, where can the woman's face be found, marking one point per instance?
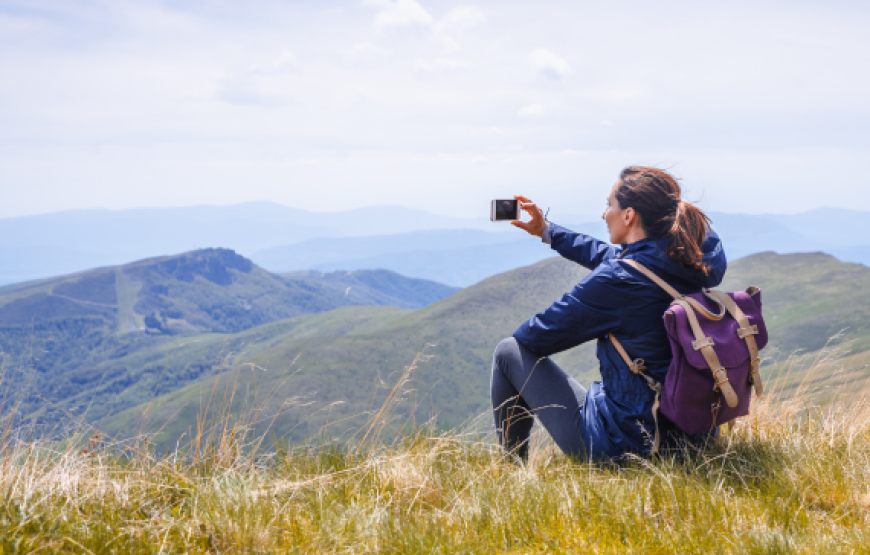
(616, 219)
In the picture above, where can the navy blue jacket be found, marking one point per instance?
(615, 298)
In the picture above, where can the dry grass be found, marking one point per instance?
(792, 477)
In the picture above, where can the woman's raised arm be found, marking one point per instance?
(576, 247)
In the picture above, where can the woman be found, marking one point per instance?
(649, 223)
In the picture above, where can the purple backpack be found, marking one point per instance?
(715, 338)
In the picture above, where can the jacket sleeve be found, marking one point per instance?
(591, 310)
(579, 247)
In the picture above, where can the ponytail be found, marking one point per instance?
(688, 233)
(655, 196)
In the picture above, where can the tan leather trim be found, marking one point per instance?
(637, 366)
(706, 342)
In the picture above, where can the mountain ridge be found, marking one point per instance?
(80, 325)
(37, 247)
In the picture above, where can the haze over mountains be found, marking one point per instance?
(47, 245)
(454, 251)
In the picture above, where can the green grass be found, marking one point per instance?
(794, 477)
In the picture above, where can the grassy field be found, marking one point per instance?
(794, 477)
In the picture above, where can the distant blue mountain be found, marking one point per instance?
(828, 226)
(324, 251)
(33, 247)
(455, 251)
(459, 267)
(464, 257)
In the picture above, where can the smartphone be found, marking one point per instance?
(504, 210)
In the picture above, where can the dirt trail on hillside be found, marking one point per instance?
(51, 293)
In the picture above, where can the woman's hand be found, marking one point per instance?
(536, 225)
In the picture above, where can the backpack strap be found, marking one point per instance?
(637, 366)
(676, 295)
(747, 333)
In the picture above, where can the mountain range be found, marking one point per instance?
(150, 337)
(62, 336)
(64, 242)
(464, 257)
(455, 251)
(324, 373)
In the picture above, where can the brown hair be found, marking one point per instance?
(655, 196)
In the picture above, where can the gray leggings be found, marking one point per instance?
(523, 384)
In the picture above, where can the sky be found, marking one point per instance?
(758, 107)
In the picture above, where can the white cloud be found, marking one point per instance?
(461, 17)
(548, 64)
(448, 44)
(440, 64)
(367, 50)
(285, 61)
(493, 130)
(401, 13)
(264, 83)
(531, 111)
(146, 93)
(255, 90)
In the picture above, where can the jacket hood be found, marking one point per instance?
(653, 253)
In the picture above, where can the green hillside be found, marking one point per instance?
(357, 366)
(807, 298)
(102, 334)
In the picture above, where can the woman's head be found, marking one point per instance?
(649, 199)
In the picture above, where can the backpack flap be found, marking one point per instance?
(730, 346)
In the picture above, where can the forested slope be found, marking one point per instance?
(100, 335)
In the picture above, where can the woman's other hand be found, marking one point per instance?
(536, 225)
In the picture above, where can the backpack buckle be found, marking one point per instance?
(744, 332)
(699, 344)
(720, 376)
